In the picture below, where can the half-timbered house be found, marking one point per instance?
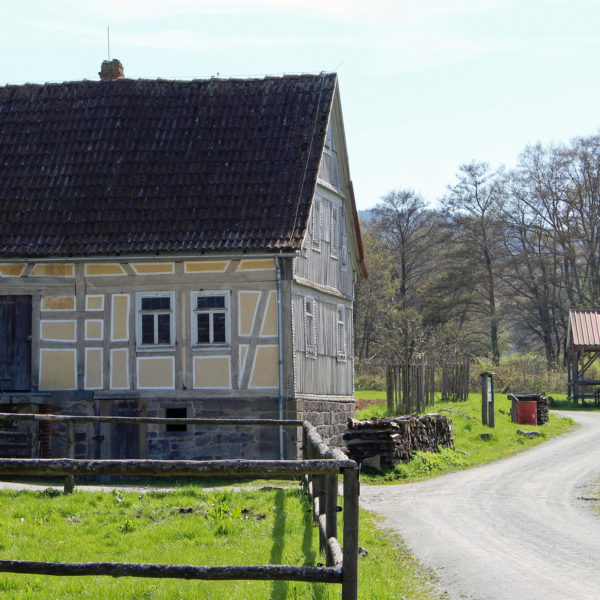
(176, 249)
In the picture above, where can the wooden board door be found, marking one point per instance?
(15, 343)
(122, 441)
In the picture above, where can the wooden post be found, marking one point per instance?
(487, 398)
(491, 422)
(331, 485)
(70, 452)
(484, 409)
(389, 389)
(350, 564)
(321, 495)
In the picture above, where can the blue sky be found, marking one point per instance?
(426, 84)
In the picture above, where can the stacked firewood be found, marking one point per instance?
(395, 439)
(543, 414)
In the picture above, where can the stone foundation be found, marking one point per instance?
(101, 441)
(330, 417)
(215, 441)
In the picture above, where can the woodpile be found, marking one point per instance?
(395, 439)
(543, 413)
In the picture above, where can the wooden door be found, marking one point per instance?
(15, 343)
(122, 441)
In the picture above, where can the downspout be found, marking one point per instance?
(280, 347)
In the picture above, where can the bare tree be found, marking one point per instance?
(405, 226)
(475, 205)
(537, 299)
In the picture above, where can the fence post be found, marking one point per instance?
(350, 550)
(70, 452)
(390, 389)
(322, 511)
(331, 485)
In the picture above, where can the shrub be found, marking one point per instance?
(370, 382)
(523, 373)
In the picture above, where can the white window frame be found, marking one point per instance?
(195, 311)
(344, 252)
(310, 326)
(335, 231)
(138, 319)
(316, 222)
(340, 333)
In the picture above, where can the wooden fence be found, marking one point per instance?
(455, 379)
(411, 386)
(320, 467)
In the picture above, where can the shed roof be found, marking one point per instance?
(584, 329)
(137, 166)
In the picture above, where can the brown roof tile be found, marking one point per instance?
(133, 166)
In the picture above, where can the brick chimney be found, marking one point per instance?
(111, 70)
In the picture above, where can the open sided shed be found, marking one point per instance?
(583, 347)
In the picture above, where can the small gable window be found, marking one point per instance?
(335, 231)
(341, 333)
(316, 224)
(310, 327)
(210, 318)
(155, 319)
(344, 252)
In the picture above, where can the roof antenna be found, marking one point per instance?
(110, 69)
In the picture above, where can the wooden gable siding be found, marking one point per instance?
(329, 170)
(325, 372)
(322, 260)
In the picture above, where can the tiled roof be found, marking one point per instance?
(584, 328)
(133, 166)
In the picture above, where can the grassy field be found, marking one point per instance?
(188, 526)
(470, 449)
(268, 526)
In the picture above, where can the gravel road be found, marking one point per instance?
(520, 528)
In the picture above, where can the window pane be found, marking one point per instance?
(208, 302)
(203, 329)
(309, 331)
(156, 303)
(163, 303)
(219, 328)
(164, 329)
(341, 336)
(147, 329)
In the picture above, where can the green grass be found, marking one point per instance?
(188, 526)
(370, 394)
(561, 403)
(470, 449)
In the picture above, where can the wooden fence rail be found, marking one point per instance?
(320, 466)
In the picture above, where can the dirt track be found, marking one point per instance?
(521, 528)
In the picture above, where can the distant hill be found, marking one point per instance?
(365, 215)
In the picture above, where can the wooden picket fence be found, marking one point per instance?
(320, 467)
(455, 379)
(411, 386)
